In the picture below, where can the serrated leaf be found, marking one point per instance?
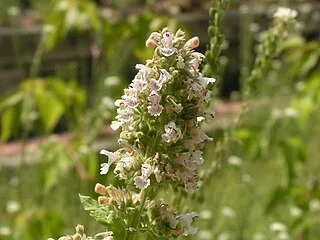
(88, 203)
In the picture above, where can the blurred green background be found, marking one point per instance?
(64, 62)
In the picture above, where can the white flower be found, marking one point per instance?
(246, 178)
(207, 80)
(143, 71)
(205, 214)
(13, 11)
(155, 85)
(104, 168)
(146, 170)
(172, 133)
(295, 211)
(283, 236)
(228, 212)
(138, 84)
(278, 227)
(314, 205)
(223, 236)
(13, 206)
(290, 112)
(196, 156)
(125, 114)
(112, 157)
(200, 119)
(108, 238)
(235, 161)
(186, 220)
(115, 125)
(141, 182)
(258, 236)
(155, 109)
(127, 162)
(167, 49)
(164, 76)
(154, 97)
(5, 231)
(285, 13)
(64, 238)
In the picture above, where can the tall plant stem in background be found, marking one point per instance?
(246, 42)
(37, 58)
(16, 41)
(267, 49)
(216, 38)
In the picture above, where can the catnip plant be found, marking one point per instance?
(160, 144)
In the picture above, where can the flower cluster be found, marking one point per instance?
(166, 222)
(285, 13)
(80, 235)
(160, 115)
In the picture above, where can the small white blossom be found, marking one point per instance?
(228, 212)
(115, 125)
(258, 236)
(186, 220)
(167, 50)
(223, 236)
(112, 157)
(283, 236)
(154, 97)
(5, 231)
(146, 170)
(205, 214)
(235, 161)
(314, 205)
(104, 168)
(141, 182)
(278, 227)
(155, 109)
(172, 133)
(290, 112)
(13, 206)
(295, 211)
(285, 13)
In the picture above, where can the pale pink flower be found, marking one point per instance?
(155, 109)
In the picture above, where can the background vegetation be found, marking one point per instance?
(62, 64)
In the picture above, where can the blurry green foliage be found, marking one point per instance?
(43, 101)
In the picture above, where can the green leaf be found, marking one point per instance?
(88, 203)
(50, 109)
(10, 120)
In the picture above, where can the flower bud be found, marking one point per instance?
(151, 43)
(192, 43)
(77, 236)
(100, 189)
(103, 200)
(80, 229)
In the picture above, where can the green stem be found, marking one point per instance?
(136, 220)
(36, 61)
